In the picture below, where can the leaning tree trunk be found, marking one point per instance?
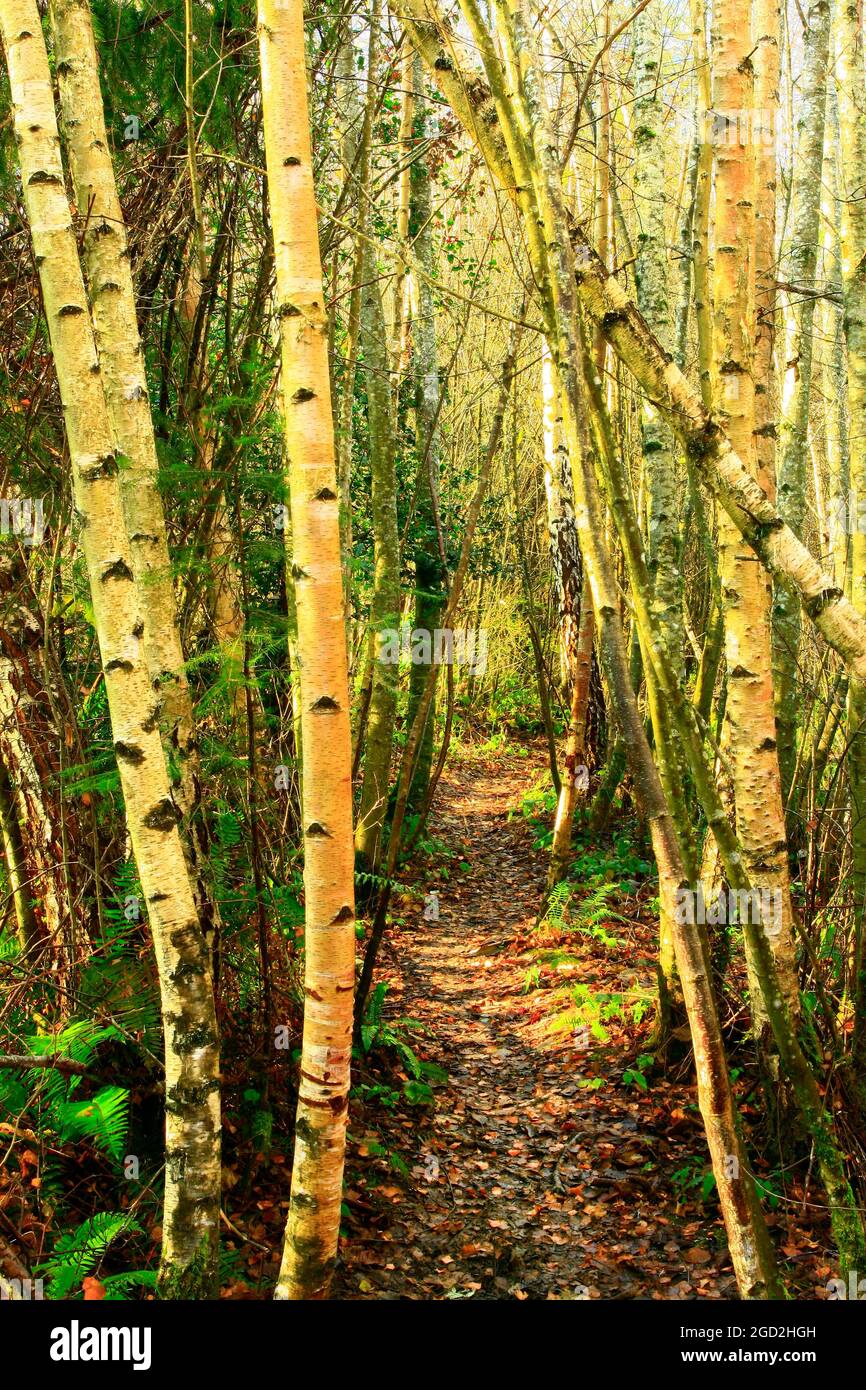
(708, 446)
(320, 1132)
(16, 867)
(112, 294)
(191, 1215)
(106, 258)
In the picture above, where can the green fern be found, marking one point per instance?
(52, 1096)
(566, 912)
(118, 1286)
(380, 882)
(77, 1253)
(78, 1041)
(104, 1119)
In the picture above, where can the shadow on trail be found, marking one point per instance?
(529, 1179)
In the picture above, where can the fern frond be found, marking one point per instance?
(104, 1119)
(77, 1253)
(117, 1286)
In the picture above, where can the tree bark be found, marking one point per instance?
(112, 296)
(320, 1133)
(850, 73)
(191, 1216)
(799, 269)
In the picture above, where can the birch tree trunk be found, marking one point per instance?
(405, 289)
(40, 877)
(385, 602)
(834, 372)
(576, 623)
(664, 488)
(767, 80)
(702, 259)
(417, 291)
(14, 857)
(750, 729)
(850, 73)
(192, 1181)
(320, 1132)
(34, 853)
(702, 272)
(112, 295)
(574, 773)
(799, 267)
(106, 259)
(356, 153)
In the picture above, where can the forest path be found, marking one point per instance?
(525, 1183)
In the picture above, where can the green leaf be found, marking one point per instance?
(104, 1118)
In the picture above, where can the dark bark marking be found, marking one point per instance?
(815, 606)
(163, 816)
(317, 830)
(129, 753)
(119, 570)
(106, 467)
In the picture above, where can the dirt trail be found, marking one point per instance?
(525, 1183)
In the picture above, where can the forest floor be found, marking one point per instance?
(545, 1168)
